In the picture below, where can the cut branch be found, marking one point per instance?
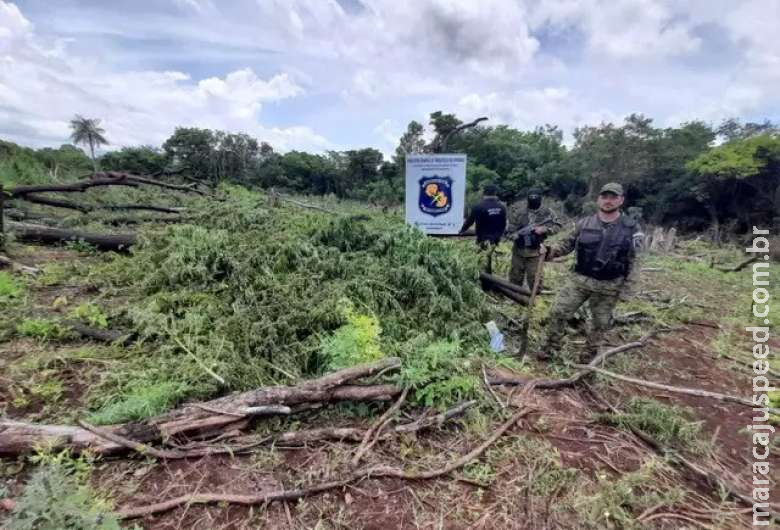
(741, 265)
(373, 432)
(17, 267)
(708, 477)
(16, 437)
(46, 234)
(73, 187)
(443, 146)
(573, 379)
(674, 389)
(294, 494)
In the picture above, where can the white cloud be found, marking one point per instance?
(42, 88)
(233, 65)
(623, 28)
(530, 108)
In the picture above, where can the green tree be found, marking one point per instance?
(734, 178)
(87, 131)
(144, 160)
(411, 141)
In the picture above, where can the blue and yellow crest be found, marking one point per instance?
(435, 195)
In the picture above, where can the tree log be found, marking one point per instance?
(199, 418)
(46, 234)
(166, 185)
(73, 187)
(495, 280)
(56, 203)
(102, 335)
(149, 207)
(17, 267)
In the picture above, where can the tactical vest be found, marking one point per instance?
(603, 251)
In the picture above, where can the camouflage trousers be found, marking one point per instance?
(601, 295)
(524, 268)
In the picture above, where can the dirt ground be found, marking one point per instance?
(542, 474)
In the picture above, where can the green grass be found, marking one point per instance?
(668, 425)
(90, 313)
(41, 329)
(617, 503)
(138, 403)
(9, 287)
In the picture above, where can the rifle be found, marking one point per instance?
(526, 235)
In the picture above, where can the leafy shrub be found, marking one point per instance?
(41, 329)
(92, 314)
(355, 342)
(58, 497)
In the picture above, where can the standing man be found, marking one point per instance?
(603, 272)
(529, 225)
(490, 216)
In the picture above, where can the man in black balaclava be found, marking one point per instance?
(529, 225)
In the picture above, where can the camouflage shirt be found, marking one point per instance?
(520, 217)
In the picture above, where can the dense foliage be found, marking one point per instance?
(261, 293)
(693, 176)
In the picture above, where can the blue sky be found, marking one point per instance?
(338, 74)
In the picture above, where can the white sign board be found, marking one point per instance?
(435, 192)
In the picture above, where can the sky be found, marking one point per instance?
(339, 74)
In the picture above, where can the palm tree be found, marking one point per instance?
(88, 131)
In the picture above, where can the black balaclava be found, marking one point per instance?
(534, 199)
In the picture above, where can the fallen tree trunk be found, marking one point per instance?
(149, 207)
(46, 234)
(116, 221)
(166, 185)
(517, 297)
(203, 418)
(102, 335)
(494, 280)
(56, 203)
(101, 179)
(17, 267)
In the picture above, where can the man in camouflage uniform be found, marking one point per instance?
(604, 270)
(542, 222)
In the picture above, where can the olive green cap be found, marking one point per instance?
(612, 187)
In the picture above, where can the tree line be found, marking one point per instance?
(694, 176)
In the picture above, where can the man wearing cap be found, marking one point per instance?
(490, 217)
(529, 225)
(604, 271)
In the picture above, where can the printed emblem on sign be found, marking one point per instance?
(435, 195)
